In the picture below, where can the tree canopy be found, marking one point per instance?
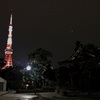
(40, 61)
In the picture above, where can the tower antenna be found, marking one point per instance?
(9, 50)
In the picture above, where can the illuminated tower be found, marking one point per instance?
(9, 50)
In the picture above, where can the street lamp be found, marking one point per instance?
(27, 86)
(28, 68)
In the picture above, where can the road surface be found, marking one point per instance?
(42, 96)
(14, 96)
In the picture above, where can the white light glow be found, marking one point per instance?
(9, 41)
(28, 68)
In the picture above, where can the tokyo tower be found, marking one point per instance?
(9, 50)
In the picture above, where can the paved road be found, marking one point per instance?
(42, 96)
(14, 96)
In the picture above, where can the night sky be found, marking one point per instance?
(53, 25)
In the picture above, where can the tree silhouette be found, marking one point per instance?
(39, 60)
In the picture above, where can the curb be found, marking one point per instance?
(5, 93)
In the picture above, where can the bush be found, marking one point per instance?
(48, 89)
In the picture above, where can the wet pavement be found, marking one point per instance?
(11, 95)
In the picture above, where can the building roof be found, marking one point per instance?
(2, 80)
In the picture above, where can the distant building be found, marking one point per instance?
(3, 83)
(75, 57)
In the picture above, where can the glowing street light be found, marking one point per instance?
(28, 68)
(27, 86)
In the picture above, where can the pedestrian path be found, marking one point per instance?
(12, 95)
(55, 96)
(51, 95)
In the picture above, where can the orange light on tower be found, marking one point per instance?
(9, 50)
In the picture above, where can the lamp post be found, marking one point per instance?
(28, 68)
(25, 78)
